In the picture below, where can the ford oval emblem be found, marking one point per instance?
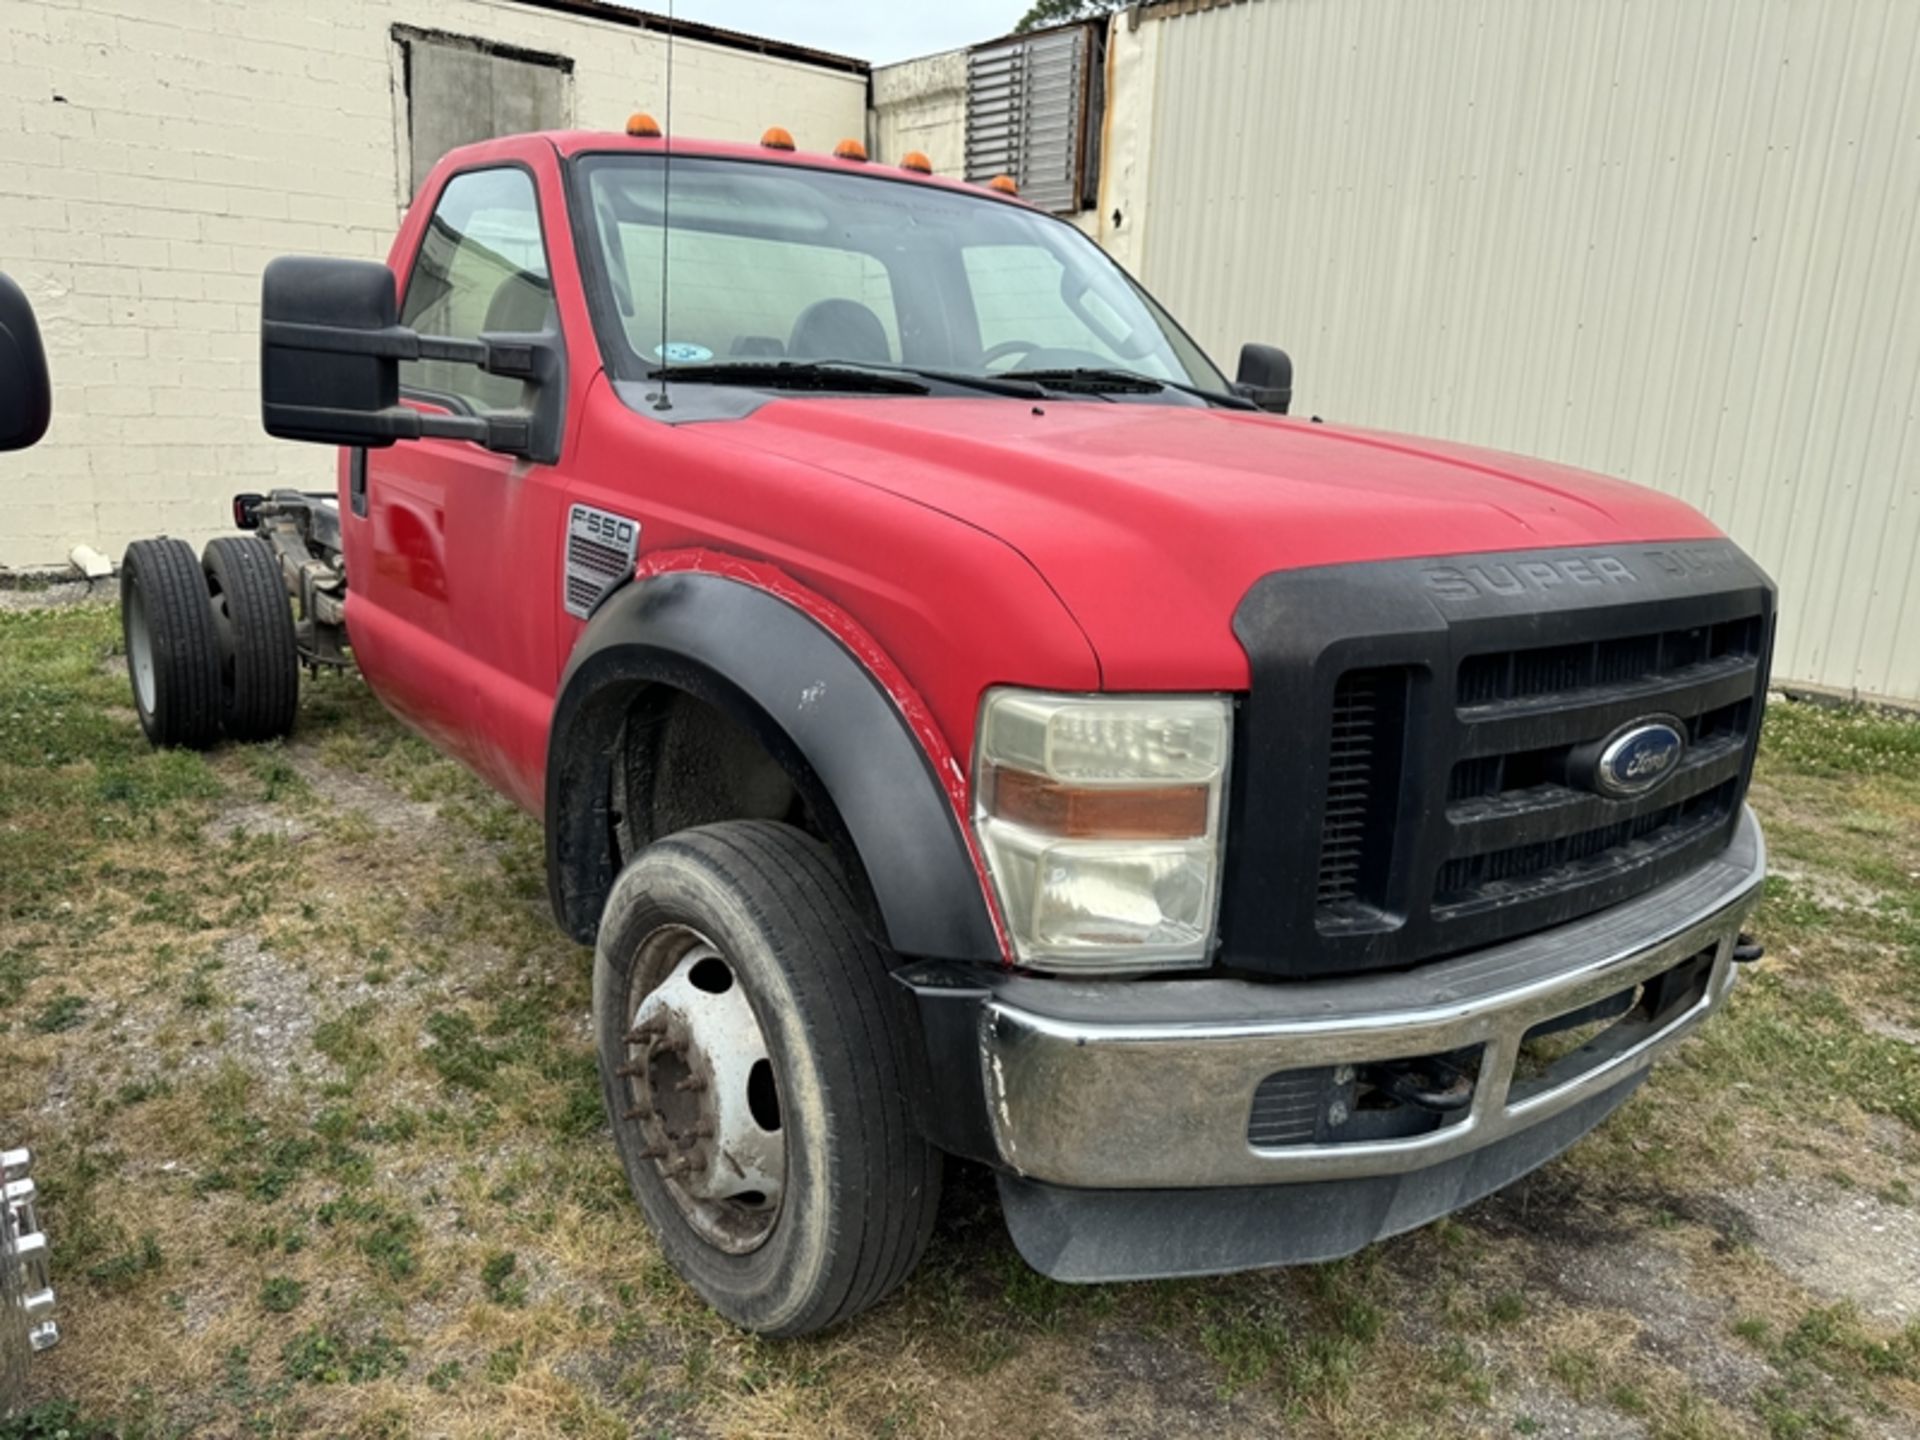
(1638, 756)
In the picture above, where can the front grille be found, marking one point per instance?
(1454, 713)
(1366, 733)
(1520, 823)
(1542, 866)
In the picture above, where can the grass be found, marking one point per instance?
(307, 1071)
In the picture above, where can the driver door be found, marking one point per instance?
(465, 541)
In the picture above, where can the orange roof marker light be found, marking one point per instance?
(918, 163)
(777, 137)
(1005, 184)
(643, 126)
(849, 150)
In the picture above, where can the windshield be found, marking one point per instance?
(779, 263)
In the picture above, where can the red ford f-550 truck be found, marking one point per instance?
(968, 724)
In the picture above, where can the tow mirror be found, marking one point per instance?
(1265, 377)
(26, 395)
(330, 351)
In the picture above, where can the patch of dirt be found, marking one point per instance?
(257, 819)
(60, 594)
(270, 1018)
(1892, 1029)
(1595, 1253)
(1531, 1407)
(1832, 891)
(1133, 1385)
(384, 806)
(1845, 1245)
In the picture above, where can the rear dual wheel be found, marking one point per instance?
(210, 642)
(757, 1060)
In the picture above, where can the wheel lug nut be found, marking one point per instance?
(693, 1084)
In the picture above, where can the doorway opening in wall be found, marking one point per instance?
(453, 90)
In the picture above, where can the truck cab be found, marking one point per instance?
(966, 723)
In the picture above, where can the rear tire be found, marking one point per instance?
(259, 659)
(858, 1185)
(173, 653)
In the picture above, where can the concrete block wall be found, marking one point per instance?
(922, 105)
(155, 154)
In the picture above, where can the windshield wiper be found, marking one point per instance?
(1126, 382)
(834, 375)
(795, 375)
(1018, 388)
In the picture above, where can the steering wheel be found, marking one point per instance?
(1006, 348)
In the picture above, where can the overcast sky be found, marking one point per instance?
(877, 30)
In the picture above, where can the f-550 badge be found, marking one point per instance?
(600, 551)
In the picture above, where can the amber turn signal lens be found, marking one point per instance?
(849, 150)
(776, 137)
(643, 126)
(1005, 184)
(1159, 812)
(913, 160)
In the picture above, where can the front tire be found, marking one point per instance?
(173, 652)
(793, 1205)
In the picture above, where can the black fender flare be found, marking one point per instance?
(817, 709)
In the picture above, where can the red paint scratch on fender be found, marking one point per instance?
(877, 663)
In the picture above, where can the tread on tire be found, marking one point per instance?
(260, 660)
(173, 650)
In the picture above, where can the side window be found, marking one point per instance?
(482, 266)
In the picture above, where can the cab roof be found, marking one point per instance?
(609, 142)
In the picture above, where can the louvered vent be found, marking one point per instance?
(1028, 116)
(1366, 737)
(600, 551)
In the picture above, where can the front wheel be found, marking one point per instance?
(756, 1059)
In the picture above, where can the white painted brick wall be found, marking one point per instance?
(155, 154)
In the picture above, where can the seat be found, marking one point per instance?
(839, 330)
(757, 345)
(522, 305)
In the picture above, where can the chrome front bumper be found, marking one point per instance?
(1112, 1086)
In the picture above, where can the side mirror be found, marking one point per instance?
(26, 395)
(330, 351)
(1265, 377)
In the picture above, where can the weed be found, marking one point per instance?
(457, 1052)
(320, 1356)
(1507, 1308)
(280, 1295)
(502, 1284)
(125, 1270)
(62, 1012)
(503, 1364)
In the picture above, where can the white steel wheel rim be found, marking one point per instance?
(140, 648)
(701, 1087)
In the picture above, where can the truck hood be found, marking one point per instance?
(1152, 521)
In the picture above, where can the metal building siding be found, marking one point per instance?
(1026, 103)
(1673, 240)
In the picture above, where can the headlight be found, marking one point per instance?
(1101, 818)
